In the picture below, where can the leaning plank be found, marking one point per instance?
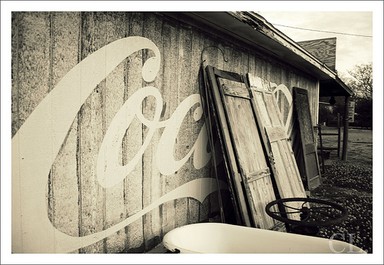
(223, 124)
(215, 134)
(307, 139)
(243, 142)
(282, 160)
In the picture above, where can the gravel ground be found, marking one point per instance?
(349, 183)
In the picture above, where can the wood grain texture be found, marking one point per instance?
(227, 145)
(170, 96)
(16, 21)
(184, 140)
(240, 129)
(195, 64)
(47, 45)
(251, 158)
(115, 25)
(91, 122)
(152, 222)
(283, 163)
(63, 180)
(210, 52)
(310, 165)
(33, 62)
(132, 141)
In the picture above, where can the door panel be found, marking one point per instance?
(244, 140)
(308, 145)
(226, 143)
(280, 152)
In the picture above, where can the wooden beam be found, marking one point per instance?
(346, 127)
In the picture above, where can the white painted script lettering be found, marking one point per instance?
(109, 169)
(38, 141)
(284, 91)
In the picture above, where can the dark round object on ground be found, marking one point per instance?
(312, 212)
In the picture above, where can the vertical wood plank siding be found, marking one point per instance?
(152, 222)
(116, 27)
(47, 45)
(63, 181)
(91, 124)
(171, 99)
(132, 141)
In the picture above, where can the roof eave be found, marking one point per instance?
(254, 30)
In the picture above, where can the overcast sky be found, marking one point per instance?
(350, 50)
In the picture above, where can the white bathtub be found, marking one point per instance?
(226, 238)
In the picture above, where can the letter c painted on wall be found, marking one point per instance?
(36, 144)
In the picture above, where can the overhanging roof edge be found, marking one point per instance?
(344, 86)
(283, 39)
(253, 29)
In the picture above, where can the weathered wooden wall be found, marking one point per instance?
(47, 45)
